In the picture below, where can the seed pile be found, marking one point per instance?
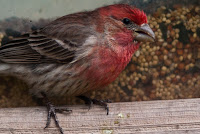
(166, 69)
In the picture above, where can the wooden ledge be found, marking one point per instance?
(162, 117)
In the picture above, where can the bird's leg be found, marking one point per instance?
(90, 102)
(52, 112)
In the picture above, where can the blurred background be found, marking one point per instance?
(166, 69)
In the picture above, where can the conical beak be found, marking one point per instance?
(144, 34)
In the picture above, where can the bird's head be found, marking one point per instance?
(129, 19)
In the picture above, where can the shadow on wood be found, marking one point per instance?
(163, 117)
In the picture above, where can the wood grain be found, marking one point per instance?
(147, 117)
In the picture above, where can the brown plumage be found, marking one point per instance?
(78, 52)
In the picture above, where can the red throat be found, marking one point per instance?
(107, 67)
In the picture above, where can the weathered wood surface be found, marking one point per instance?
(162, 117)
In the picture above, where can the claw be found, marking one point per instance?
(101, 103)
(87, 101)
(61, 110)
(52, 113)
(97, 102)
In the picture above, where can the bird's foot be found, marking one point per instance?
(52, 113)
(90, 102)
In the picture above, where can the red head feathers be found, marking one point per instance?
(121, 11)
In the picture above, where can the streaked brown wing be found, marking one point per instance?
(36, 48)
(57, 42)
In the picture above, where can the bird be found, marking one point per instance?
(76, 53)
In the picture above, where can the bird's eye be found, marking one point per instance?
(126, 21)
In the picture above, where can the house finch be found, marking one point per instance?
(77, 52)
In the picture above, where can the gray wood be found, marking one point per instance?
(147, 117)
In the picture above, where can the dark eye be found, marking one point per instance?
(126, 21)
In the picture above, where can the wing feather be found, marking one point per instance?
(35, 49)
(55, 43)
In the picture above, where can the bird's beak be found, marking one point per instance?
(144, 34)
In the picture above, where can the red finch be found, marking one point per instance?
(77, 52)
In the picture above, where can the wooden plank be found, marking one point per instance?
(162, 117)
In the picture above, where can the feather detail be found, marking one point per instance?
(35, 49)
(126, 11)
(39, 47)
